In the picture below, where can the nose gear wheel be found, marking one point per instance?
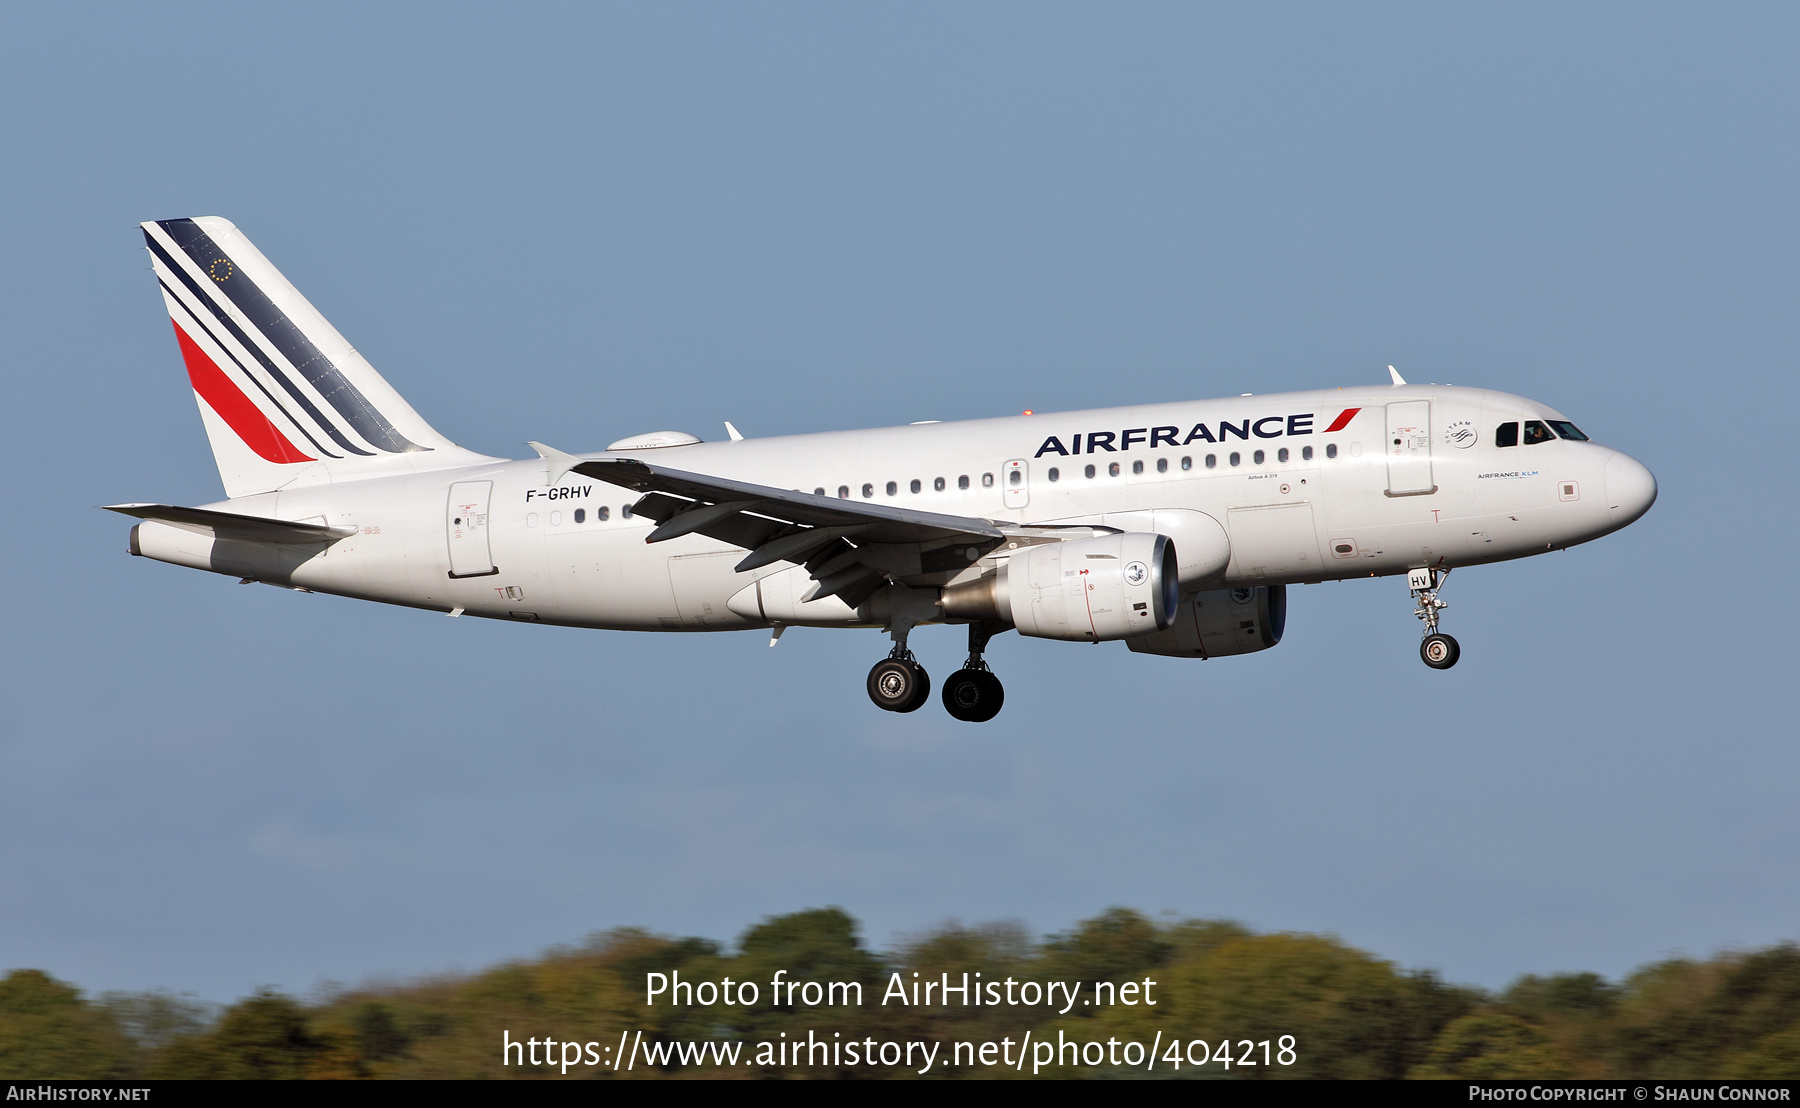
(1438, 650)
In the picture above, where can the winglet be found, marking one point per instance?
(556, 463)
(1395, 374)
(736, 435)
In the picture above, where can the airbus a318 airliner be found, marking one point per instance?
(1175, 528)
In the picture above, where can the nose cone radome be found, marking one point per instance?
(1630, 489)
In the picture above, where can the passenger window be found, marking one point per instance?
(1536, 432)
(1212, 461)
(915, 486)
(602, 512)
(1113, 470)
(963, 481)
(1088, 473)
(868, 491)
(892, 488)
(624, 511)
(1162, 465)
(1331, 450)
(581, 515)
(1187, 463)
(1015, 478)
(937, 485)
(1306, 453)
(843, 492)
(1507, 434)
(1257, 457)
(1236, 457)
(1567, 430)
(1281, 455)
(1054, 474)
(987, 480)
(816, 492)
(1137, 467)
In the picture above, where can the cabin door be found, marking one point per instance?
(1408, 447)
(466, 524)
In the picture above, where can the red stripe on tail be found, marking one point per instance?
(1342, 420)
(233, 406)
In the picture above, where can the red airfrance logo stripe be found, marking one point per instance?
(1342, 420)
(233, 406)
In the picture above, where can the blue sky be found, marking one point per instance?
(574, 223)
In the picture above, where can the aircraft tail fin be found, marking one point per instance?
(286, 400)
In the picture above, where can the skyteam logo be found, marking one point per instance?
(1461, 434)
(1136, 573)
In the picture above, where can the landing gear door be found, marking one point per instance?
(1409, 448)
(466, 524)
(1016, 481)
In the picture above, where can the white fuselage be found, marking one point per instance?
(1361, 505)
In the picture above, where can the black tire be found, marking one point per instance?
(896, 685)
(1439, 651)
(973, 695)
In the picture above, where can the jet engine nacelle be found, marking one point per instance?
(1220, 623)
(1084, 590)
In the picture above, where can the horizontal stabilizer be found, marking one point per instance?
(229, 525)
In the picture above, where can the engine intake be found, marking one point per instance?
(1083, 590)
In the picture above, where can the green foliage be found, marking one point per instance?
(1774, 1057)
(1493, 1045)
(1117, 945)
(48, 1031)
(1353, 1015)
(1566, 994)
(1688, 1019)
(264, 1037)
(155, 1019)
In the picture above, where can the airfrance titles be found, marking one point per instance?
(1093, 442)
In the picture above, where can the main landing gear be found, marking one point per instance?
(973, 694)
(898, 683)
(1438, 650)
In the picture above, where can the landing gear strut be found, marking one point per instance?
(898, 683)
(1438, 650)
(973, 694)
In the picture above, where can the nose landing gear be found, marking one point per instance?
(973, 694)
(1438, 650)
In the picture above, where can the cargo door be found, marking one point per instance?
(466, 524)
(1409, 448)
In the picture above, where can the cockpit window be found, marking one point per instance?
(1536, 432)
(1567, 430)
(1507, 434)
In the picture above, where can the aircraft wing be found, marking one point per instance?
(848, 546)
(230, 525)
